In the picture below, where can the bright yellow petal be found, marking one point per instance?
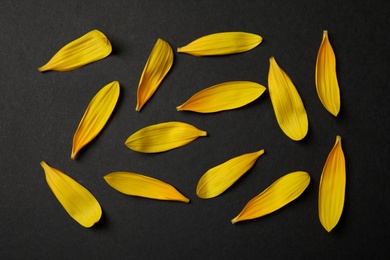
(96, 116)
(143, 186)
(224, 96)
(80, 204)
(280, 193)
(288, 107)
(326, 78)
(163, 137)
(218, 179)
(159, 63)
(332, 187)
(89, 48)
(222, 44)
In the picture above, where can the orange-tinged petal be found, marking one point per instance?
(219, 178)
(280, 193)
(223, 96)
(158, 65)
(96, 116)
(326, 78)
(332, 187)
(143, 186)
(80, 204)
(288, 106)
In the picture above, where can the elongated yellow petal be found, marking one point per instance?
(332, 187)
(159, 63)
(96, 116)
(89, 48)
(326, 78)
(280, 193)
(80, 204)
(224, 96)
(288, 107)
(218, 179)
(143, 186)
(163, 137)
(222, 44)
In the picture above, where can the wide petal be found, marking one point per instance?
(80, 204)
(288, 106)
(223, 96)
(280, 193)
(158, 65)
(96, 116)
(143, 186)
(332, 187)
(219, 178)
(89, 48)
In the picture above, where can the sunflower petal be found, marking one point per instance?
(89, 48)
(332, 187)
(143, 186)
(159, 63)
(80, 204)
(224, 96)
(218, 179)
(280, 193)
(163, 137)
(326, 78)
(222, 44)
(96, 116)
(288, 107)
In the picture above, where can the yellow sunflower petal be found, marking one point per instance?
(218, 179)
(159, 63)
(288, 107)
(222, 44)
(332, 187)
(326, 78)
(163, 137)
(96, 116)
(89, 48)
(143, 186)
(224, 96)
(280, 193)
(80, 204)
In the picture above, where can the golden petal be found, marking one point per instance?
(218, 179)
(159, 63)
(332, 187)
(223, 96)
(222, 44)
(288, 106)
(80, 204)
(89, 48)
(143, 186)
(280, 193)
(163, 137)
(326, 78)
(96, 116)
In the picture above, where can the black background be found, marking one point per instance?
(39, 113)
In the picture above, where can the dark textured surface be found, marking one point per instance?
(41, 111)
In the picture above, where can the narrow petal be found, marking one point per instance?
(332, 187)
(218, 179)
(280, 193)
(143, 186)
(224, 96)
(80, 204)
(96, 116)
(288, 107)
(222, 44)
(159, 63)
(163, 137)
(326, 78)
(89, 48)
